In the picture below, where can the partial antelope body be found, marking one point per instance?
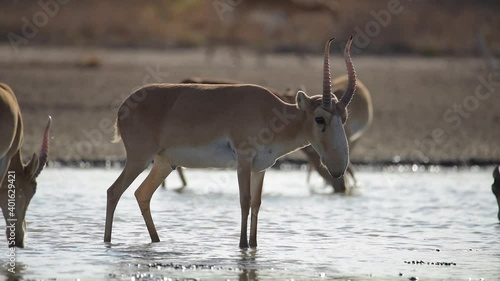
(218, 126)
(199, 80)
(18, 180)
(495, 187)
(360, 118)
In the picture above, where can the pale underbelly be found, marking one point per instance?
(218, 154)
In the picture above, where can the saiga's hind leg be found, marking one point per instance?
(161, 169)
(129, 174)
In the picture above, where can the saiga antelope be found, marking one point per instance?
(18, 180)
(360, 118)
(241, 126)
(495, 187)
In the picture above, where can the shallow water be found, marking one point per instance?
(393, 219)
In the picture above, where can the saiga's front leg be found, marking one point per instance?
(244, 184)
(256, 198)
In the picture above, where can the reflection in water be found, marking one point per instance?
(248, 265)
(13, 271)
(434, 217)
(248, 255)
(248, 275)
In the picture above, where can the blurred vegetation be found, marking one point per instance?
(429, 28)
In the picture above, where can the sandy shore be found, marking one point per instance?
(425, 109)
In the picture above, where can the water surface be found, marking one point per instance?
(393, 219)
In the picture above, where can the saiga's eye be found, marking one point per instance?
(320, 121)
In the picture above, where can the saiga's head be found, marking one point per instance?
(18, 188)
(327, 117)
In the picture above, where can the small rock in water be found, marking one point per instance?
(413, 278)
(401, 274)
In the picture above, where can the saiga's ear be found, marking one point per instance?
(344, 113)
(32, 166)
(302, 100)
